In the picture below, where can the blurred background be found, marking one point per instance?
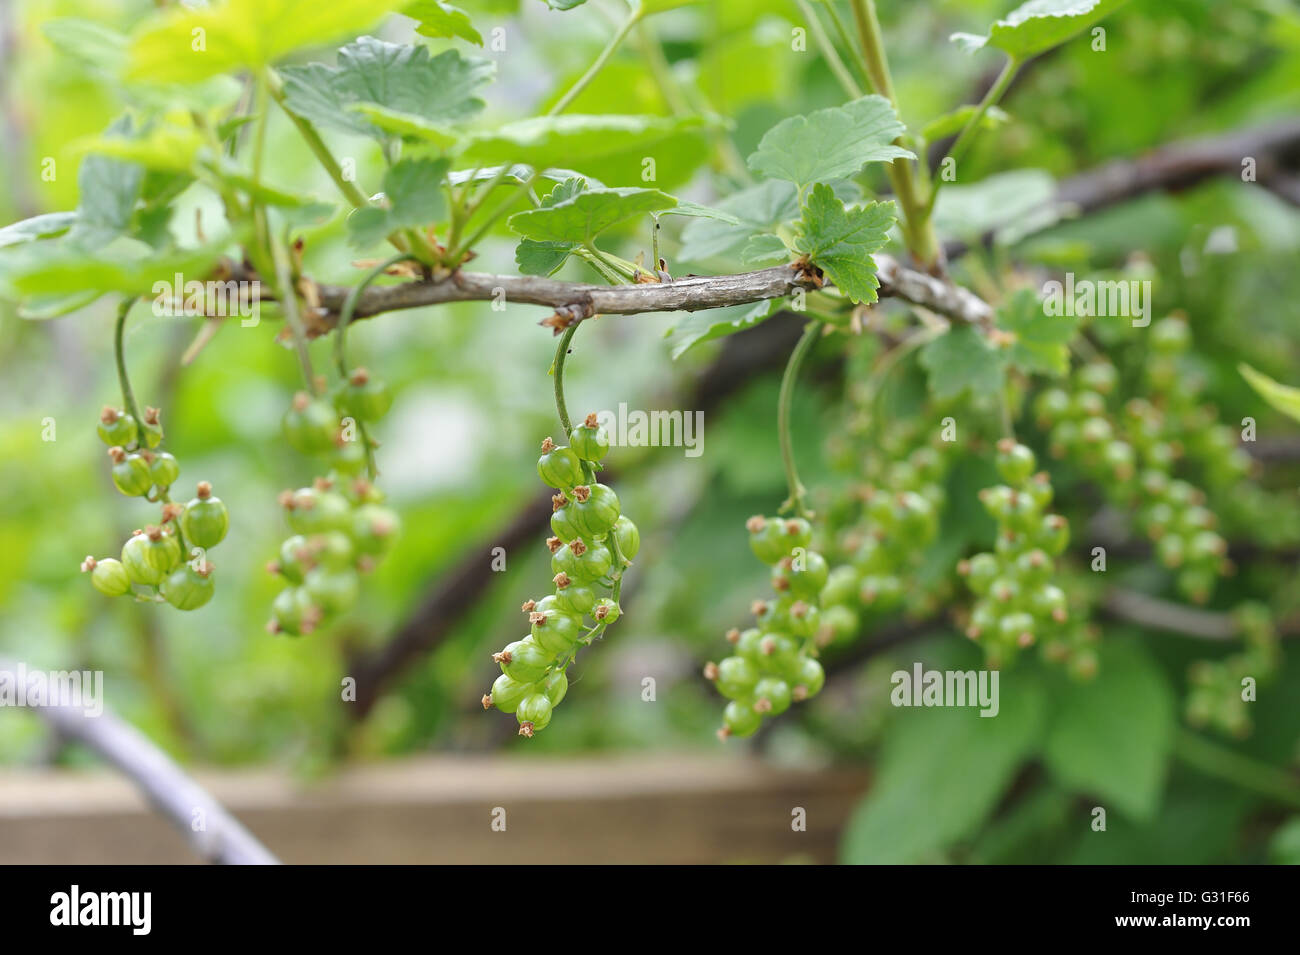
(410, 770)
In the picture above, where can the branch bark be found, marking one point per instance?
(174, 794)
(693, 293)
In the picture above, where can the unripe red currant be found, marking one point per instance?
(810, 678)
(363, 397)
(739, 719)
(294, 612)
(508, 693)
(524, 660)
(556, 686)
(334, 591)
(205, 519)
(534, 713)
(149, 556)
(1015, 462)
(606, 610)
(108, 576)
(735, 678)
(555, 632)
(117, 428)
(189, 588)
(374, 528)
(311, 425)
(559, 467)
(628, 538)
(589, 440)
(163, 468)
(130, 472)
(595, 509)
(771, 696)
(151, 428)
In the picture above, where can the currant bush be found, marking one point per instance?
(592, 543)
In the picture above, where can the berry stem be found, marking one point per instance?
(598, 64)
(810, 335)
(119, 353)
(557, 369)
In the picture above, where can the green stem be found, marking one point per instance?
(288, 298)
(1223, 763)
(829, 53)
(557, 369)
(963, 140)
(624, 28)
(784, 404)
(318, 148)
(841, 30)
(119, 352)
(454, 255)
(918, 230)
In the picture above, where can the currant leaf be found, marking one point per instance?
(1035, 27)
(840, 241)
(1041, 341)
(584, 216)
(439, 19)
(961, 359)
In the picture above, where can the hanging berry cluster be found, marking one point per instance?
(167, 561)
(592, 544)
(1134, 468)
(1018, 604)
(341, 528)
(775, 663)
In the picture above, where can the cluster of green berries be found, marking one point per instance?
(340, 525)
(1018, 605)
(1216, 695)
(592, 544)
(899, 520)
(775, 663)
(164, 562)
(1135, 470)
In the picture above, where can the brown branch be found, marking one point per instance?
(693, 293)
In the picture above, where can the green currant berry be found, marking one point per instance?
(997, 501)
(606, 610)
(1039, 490)
(555, 632)
(1017, 629)
(1054, 534)
(589, 440)
(205, 521)
(809, 680)
(311, 425)
(163, 468)
(508, 693)
(747, 643)
(841, 586)
(1015, 462)
(771, 696)
(740, 720)
(839, 623)
(1034, 567)
(559, 467)
(151, 428)
(1096, 431)
(983, 620)
(1206, 547)
(1170, 336)
(1099, 376)
(980, 572)
(363, 397)
(1088, 404)
(595, 510)
(802, 575)
(573, 598)
(333, 550)
(628, 538)
(334, 591)
(766, 539)
(294, 612)
(117, 428)
(582, 563)
(556, 686)
(149, 556)
(315, 510)
(524, 660)
(1171, 550)
(735, 677)
(295, 559)
(130, 472)
(348, 458)
(880, 591)
(187, 588)
(777, 653)
(534, 713)
(804, 619)
(1051, 406)
(563, 525)
(1120, 459)
(872, 558)
(1048, 602)
(1004, 591)
(374, 528)
(108, 576)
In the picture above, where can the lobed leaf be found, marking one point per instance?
(582, 217)
(840, 241)
(1037, 26)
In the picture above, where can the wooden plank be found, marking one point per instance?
(604, 809)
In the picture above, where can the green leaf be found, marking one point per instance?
(125, 265)
(184, 45)
(41, 308)
(414, 199)
(1041, 343)
(697, 211)
(962, 359)
(1284, 398)
(706, 326)
(407, 125)
(439, 19)
(1111, 738)
(584, 216)
(841, 241)
(564, 4)
(169, 148)
(88, 42)
(759, 209)
(546, 141)
(404, 80)
(545, 258)
(37, 227)
(942, 771)
(1010, 204)
(830, 143)
(950, 124)
(1039, 25)
(651, 7)
(108, 189)
(763, 250)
